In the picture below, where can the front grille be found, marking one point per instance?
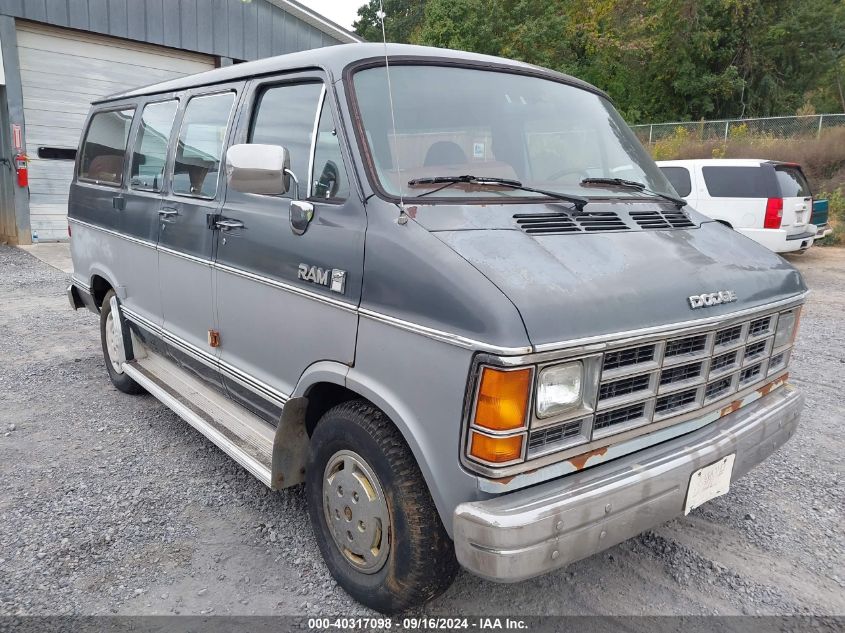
(755, 349)
(749, 374)
(686, 345)
(629, 357)
(619, 416)
(728, 336)
(723, 362)
(624, 386)
(759, 327)
(778, 361)
(681, 373)
(718, 387)
(544, 439)
(675, 401)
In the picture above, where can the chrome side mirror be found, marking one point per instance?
(259, 169)
(301, 212)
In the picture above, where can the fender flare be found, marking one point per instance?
(290, 446)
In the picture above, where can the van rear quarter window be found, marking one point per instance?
(740, 182)
(104, 149)
(679, 177)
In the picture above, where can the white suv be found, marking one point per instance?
(768, 201)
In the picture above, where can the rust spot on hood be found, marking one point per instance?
(580, 461)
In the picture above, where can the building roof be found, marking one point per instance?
(333, 59)
(318, 21)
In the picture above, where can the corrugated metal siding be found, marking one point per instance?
(61, 73)
(229, 28)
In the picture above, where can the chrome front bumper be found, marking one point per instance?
(527, 533)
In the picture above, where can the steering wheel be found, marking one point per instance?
(329, 181)
(565, 172)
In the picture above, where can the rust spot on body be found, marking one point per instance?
(580, 461)
(736, 405)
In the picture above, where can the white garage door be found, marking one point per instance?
(62, 72)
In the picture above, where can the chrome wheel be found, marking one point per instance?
(112, 348)
(356, 511)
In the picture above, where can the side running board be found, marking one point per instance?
(239, 433)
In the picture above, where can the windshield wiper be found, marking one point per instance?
(447, 181)
(633, 184)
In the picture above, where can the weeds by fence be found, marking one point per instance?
(808, 126)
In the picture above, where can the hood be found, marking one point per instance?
(573, 286)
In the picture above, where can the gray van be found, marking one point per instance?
(451, 294)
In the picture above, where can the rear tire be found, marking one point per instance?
(373, 517)
(118, 378)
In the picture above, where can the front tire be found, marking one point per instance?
(373, 517)
(107, 337)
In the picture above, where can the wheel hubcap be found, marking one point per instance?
(356, 511)
(111, 343)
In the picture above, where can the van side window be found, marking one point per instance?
(679, 177)
(197, 167)
(329, 181)
(104, 149)
(150, 154)
(285, 116)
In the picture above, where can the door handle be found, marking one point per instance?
(228, 225)
(168, 212)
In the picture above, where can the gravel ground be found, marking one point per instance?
(111, 504)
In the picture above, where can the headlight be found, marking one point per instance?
(559, 388)
(787, 327)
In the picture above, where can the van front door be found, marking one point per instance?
(186, 243)
(287, 300)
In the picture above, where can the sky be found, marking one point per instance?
(343, 12)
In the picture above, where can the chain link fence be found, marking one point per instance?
(809, 126)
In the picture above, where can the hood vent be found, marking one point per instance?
(601, 221)
(553, 223)
(656, 220)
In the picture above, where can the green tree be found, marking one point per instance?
(403, 18)
(658, 59)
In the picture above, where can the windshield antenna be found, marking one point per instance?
(403, 218)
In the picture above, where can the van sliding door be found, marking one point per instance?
(186, 240)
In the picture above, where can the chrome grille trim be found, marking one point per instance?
(554, 438)
(680, 374)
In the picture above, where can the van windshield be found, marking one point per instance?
(460, 121)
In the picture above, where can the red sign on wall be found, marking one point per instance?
(17, 137)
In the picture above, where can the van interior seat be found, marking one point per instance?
(444, 153)
(106, 167)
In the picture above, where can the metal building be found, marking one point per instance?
(56, 56)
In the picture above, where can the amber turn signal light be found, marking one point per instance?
(502, 399)
(496, 450)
